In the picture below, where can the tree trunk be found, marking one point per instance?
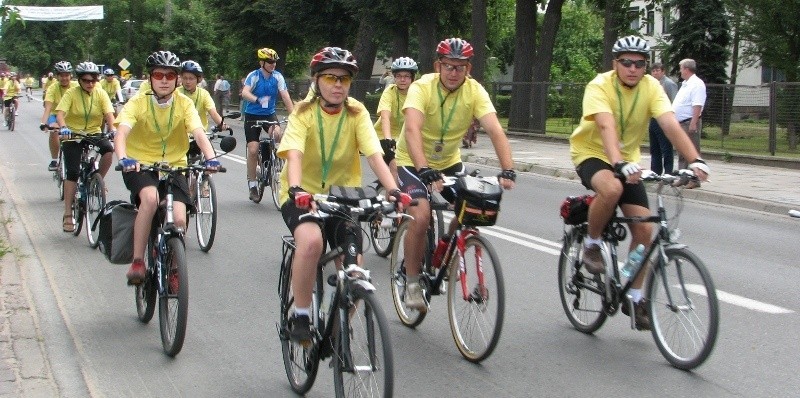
(399, 39)
(541, 68)
(365, 50)
(426, 36)
(613, 16)
(479, 39)
(524, 54)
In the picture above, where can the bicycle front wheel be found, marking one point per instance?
(684, 312)
(579, 290)
(12, 118)
(206, 217)
(363, 365)
(476, 299)
(397, 271)
(95, 200)
(275, 179)
(146, 291)
(174, 300)
(78, 209)
(60, 175)
(382, 230)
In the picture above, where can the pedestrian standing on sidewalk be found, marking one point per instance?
(661, 154)
(688, 105)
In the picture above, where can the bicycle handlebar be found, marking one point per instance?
(166, 168)
(328, 205)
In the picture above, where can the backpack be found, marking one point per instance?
(116, 231)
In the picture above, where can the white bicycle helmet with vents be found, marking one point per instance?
(87, 68)
(404, 64)
(631, 44)
(63, 67)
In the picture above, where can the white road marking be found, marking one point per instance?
(235, 158)
(741, 301)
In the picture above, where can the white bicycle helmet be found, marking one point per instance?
(163, 59)
(631, 44)
(109, 72)
(404, 64)
(87, 68)
(63, 67)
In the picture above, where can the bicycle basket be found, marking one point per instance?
(478, 201)
(575, 209)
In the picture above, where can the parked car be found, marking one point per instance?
(130, 88)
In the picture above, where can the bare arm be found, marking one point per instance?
(215, 116)
(110, 119)
(247, 93)
(294, 167)
(502, 148)
(696, 111)
(608, 133)
(381, 170)
(386, 124)
(120, 141)
(60, 118)
(47, 107)
(203, 143)
(287, 101)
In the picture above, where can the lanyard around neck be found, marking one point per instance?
(327, 161)
(194, 97)
(445, 123)
(85, 112)
(158, 128)
(622, 123)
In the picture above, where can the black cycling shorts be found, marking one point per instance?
(634, 194)
(251, 131)
(73, 150)
(136, 181)
(334, 229)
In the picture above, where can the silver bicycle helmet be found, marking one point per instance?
(631, 44)
(109, 72)
(63, 67)
(164, 59)
(404, 64)
(87, 68)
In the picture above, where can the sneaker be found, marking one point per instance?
(254, 194)
(53, 166)
(300, 329)
(593, 260)
(136, 273)
(640, 312)
(414, 298)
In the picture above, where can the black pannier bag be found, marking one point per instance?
(478, 201)
(116, 231)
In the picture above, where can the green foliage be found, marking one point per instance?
(502, 105)
(771, 33)
(578, 48)
(701, 33)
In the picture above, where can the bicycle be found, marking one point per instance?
(11, 114)
(90, 189)
(350, 327)
(59, 174)
(268, 168)
(476, 311)
(203, 192)
(682, 301)
(167, 272)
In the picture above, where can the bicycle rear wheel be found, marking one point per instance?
(78, 209)
(684, 312)
(60, 175)
(146, 291)
(579, 290)
(363, 365)
(275, 179)
(381, 232)
(261, 175)
(95, 200)
(12, 118)
(206, 217)
(174, 300)
(476, 307)
(300, 362)
(397, 271)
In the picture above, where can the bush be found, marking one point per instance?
(371, 102)
(502, 105)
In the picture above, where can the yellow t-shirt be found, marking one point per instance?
(49, 82)
(202, 102)
(303, 134)
(54, 94)
(12, 88)
(85, 112)
(459, 107)
(3, 83)
(111, 88)
(29, 82)
(391, 100)
(144, 88)
(159, 133)
(635, 106)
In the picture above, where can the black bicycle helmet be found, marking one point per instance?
(164, 59)
(333, 57)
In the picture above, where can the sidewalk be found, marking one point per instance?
(763, 188)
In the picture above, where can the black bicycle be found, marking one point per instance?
(682, 301)
(268, 168)
(468, 270)
(167, 273)
(90, 191)
(11, 114)
(349, 324)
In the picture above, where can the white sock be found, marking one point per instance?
(589, 241)
(302, 311)
(636, 295)
(252, 184)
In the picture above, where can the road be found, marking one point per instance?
(97, 347)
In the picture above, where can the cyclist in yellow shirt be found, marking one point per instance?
(12, 90)
(3, 82)
(82, 109)
(438, 110)
(29, 82)
(111, 86)
(153, 128)
(321, 146)
(191, 75)
(390, 113)
(52, 97)
(617, 107)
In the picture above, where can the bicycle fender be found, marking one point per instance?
(676, 246)
(365, 285)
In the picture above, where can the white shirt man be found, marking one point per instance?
(688, 104)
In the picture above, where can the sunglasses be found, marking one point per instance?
(270, 61)
(333, 79)
(88, 81)
(628, 62)
(450, 68)
(162, 75)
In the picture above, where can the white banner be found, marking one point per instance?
(29, 13)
